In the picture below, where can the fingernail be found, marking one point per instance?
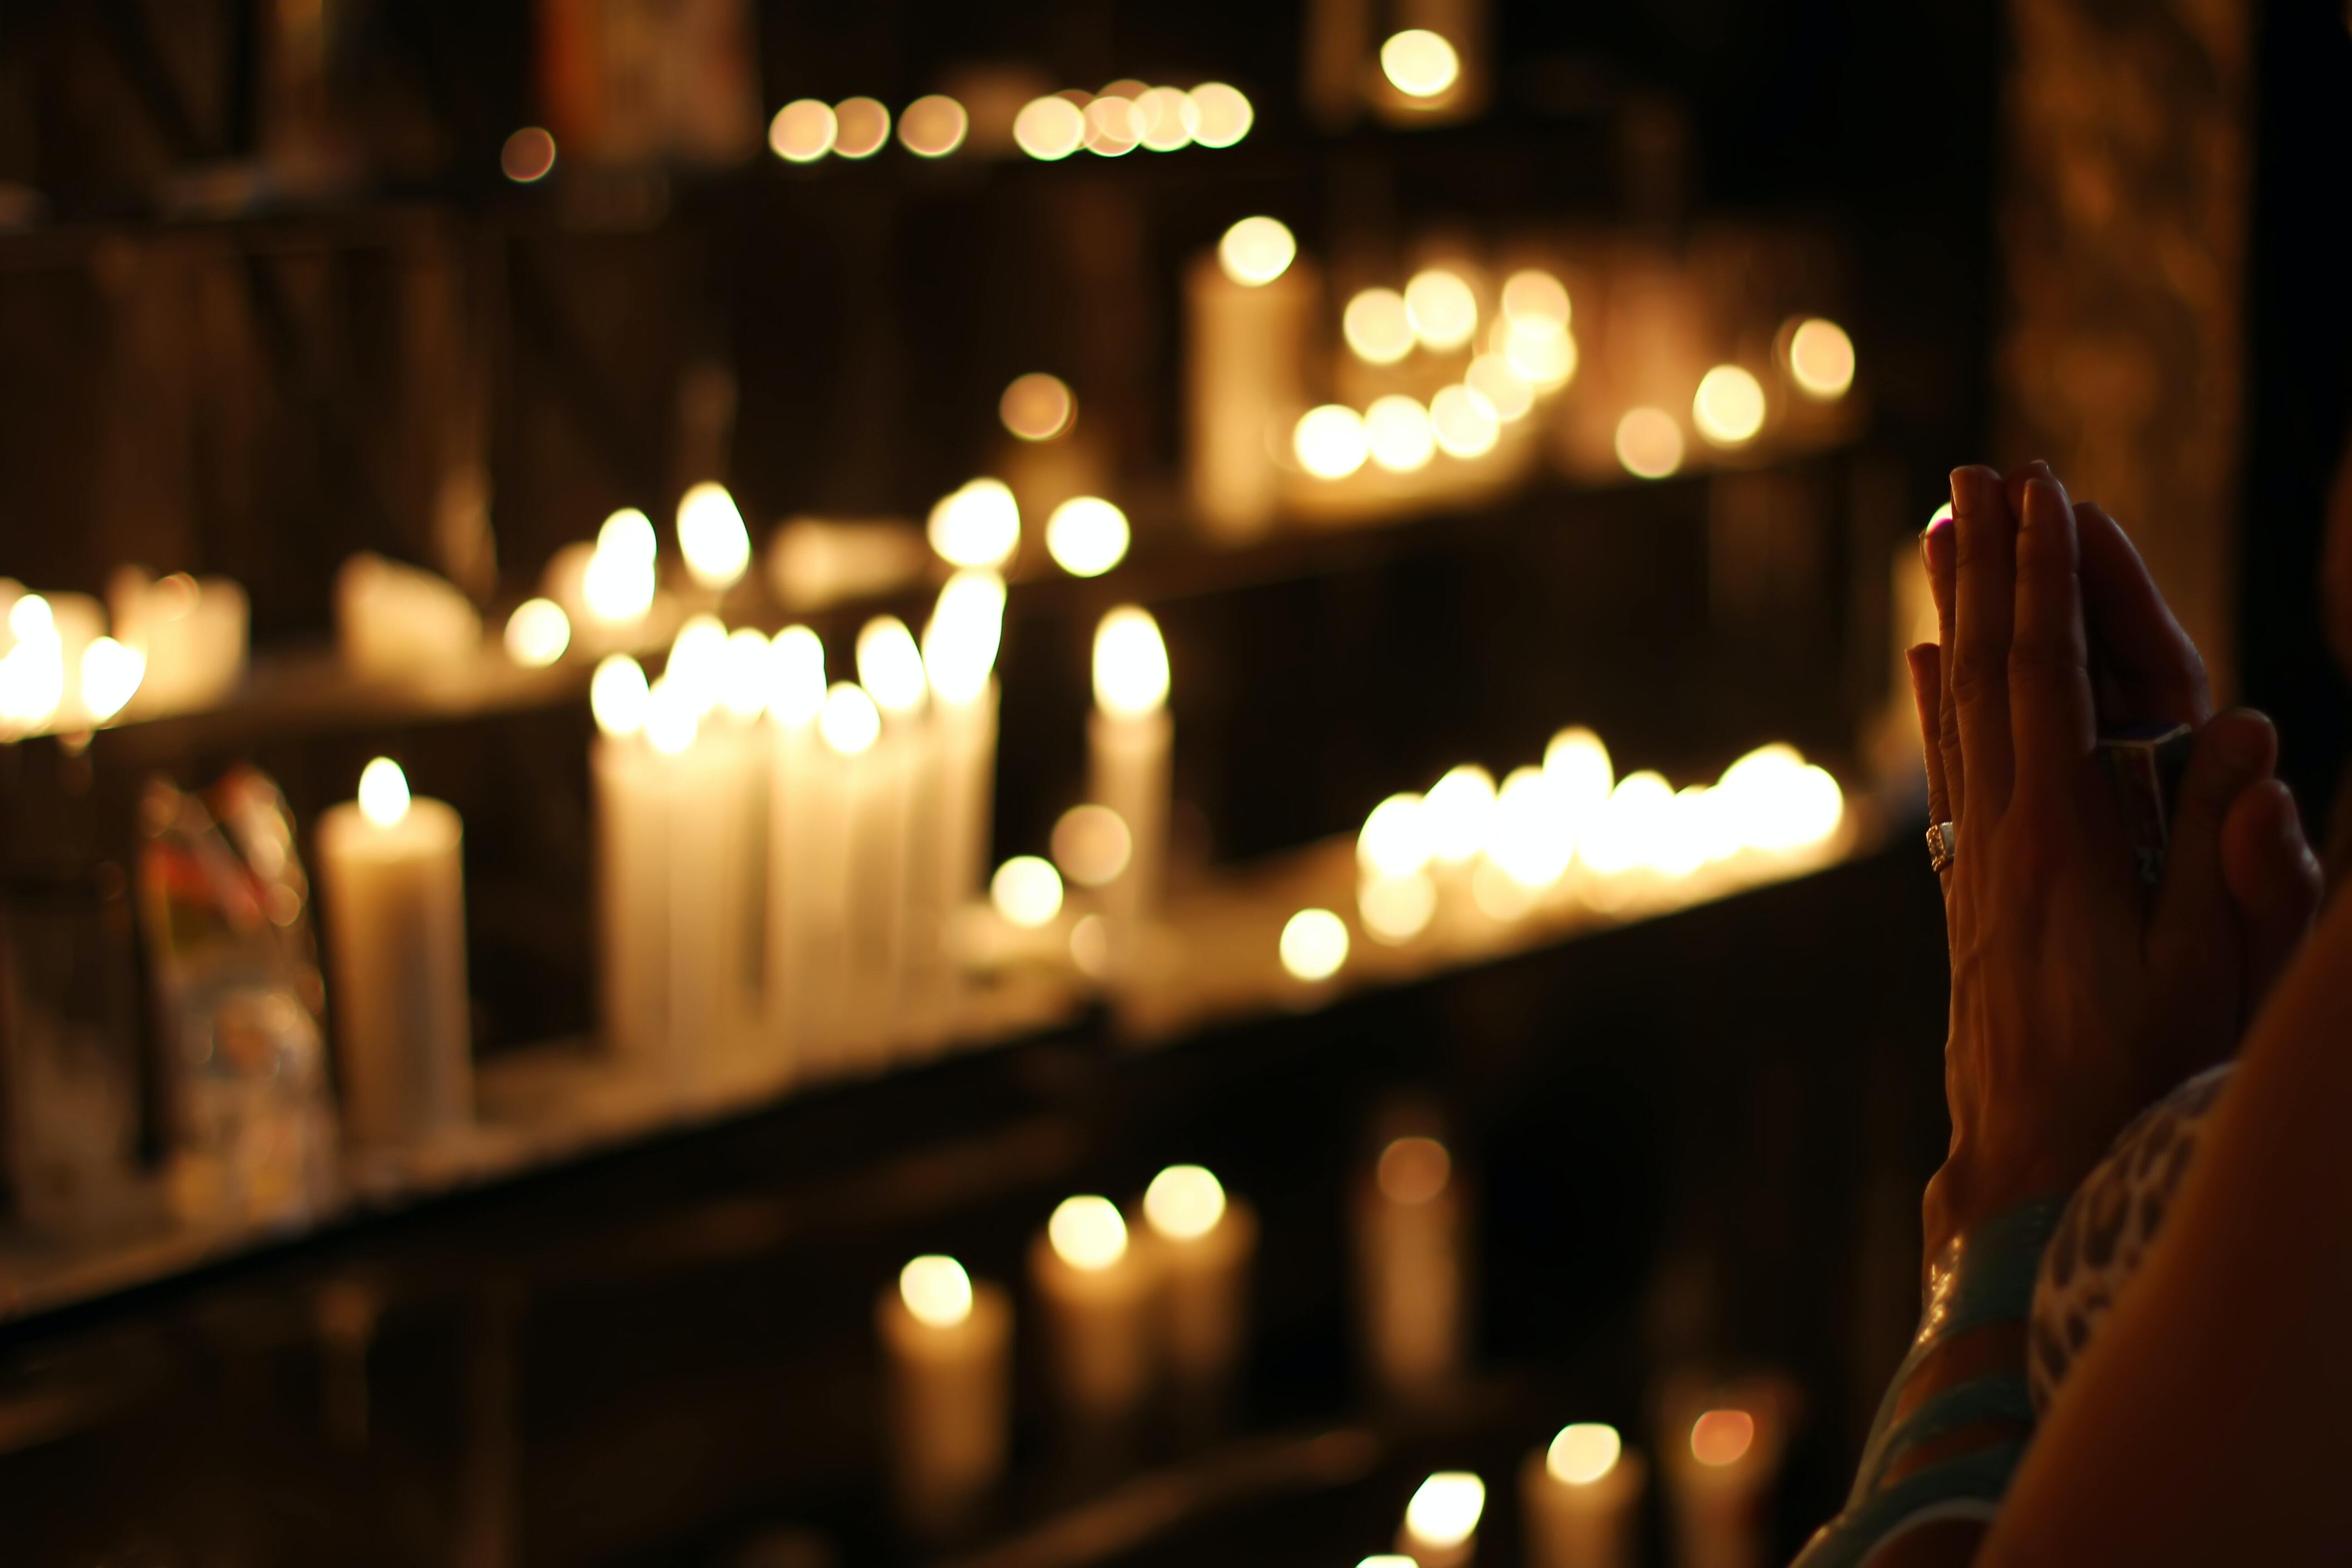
(1968, 490)
(2041, 494)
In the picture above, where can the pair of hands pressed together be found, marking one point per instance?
(2079, 996)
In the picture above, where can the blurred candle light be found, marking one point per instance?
(977, 526)
(743, 677)
(1499, 388)
(1720, 1482)
(1649, 443)
(618, 587)
(1397, 434)
(1092, 846)
(1222, 115)
(1410, 1257)
(1821, 359)
(1377, 326)
(711, 535)
(1087, 536)
(1461, 423)
(1129, 739)
(849, 721)
(1396, 840)
(1459, 811)
(889, 666)
(1420, 63)
(1532, 837)
(1114, 127)
(529, 156)
(1169, 118)
(617, 695)
(1314, 945)
(1534, 294)
(947, 1348)
(1205, 1242)
(862, 126)
(1579, 1499)
(1049, 129)
(698, 663)
(1330, 442)
(1256, 250)
(1098, 1293)
(1443, 311)
(538, 633)
(111, 674)
(1027, 891)
(1440, 1523)
(1395, 909)
(1633, 827)
(802, 130)
(1542, 351)
(1087, 1234)
(933, 126)
(1729, 407)
(631, 811)
(1037, 407)
(960, 649)
(671, 716)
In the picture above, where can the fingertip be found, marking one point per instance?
(2242, 742)
(2266, 862)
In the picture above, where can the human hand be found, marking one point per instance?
(2075, 999)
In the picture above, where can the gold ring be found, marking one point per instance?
(1943, 841)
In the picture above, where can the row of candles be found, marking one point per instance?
(68, 664)
(1133, 1305)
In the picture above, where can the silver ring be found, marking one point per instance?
(1943, 843)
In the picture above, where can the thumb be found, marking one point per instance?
(2274, 879)
(2232, 751)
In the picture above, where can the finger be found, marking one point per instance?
(1937, 545)
(2155, 668)
(2052, 720)
(1927, 698)
(2233, 751)
(2014, 483)
(2273, 877)
(1976, 671)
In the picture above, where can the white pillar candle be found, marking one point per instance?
(960, 649)
(1097, 1293)
(1248, 310)
(799, 799)
(947, 1348)
(1129, 739)
(898, 931)
(1719, 1478)
(192, 634)
(1440, 1523)
(395, 892)
(1409, 1254)
(1206, 1244)
(632, 867)
(849, 818)
(1580, 1500)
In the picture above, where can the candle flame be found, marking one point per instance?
(1223, 116)
(1414, 1170)
(618, 584)
(384, 792)
(1398, 434)
(1087, 536)
(617, 695)
(1330, 442)
(1169, 118)
(802, 130)
(673, 717)
(1583, 1453)
(1184, 1202)
(1314, 945)
(1821, 359)
(1445, 1510)
(1131, 664)
(538, 633)
(698, 663)
(937, 1291)
(1649, 443)
(1395, 839)
(889, 667)
(1092, 845)
(1729, 407)
(1087, 1234)
(966, 629)
(743, 676)
(1256, 250)
(933, 126)
(977, 526)
(849, 721)
(1377, 327)
(1578, 762)
(1531, 836)
(1037, 407)
(1420, 63)
(711, 535)
(796, 688)
(1721, 1438)
(111, 674)
(1443, 311)
(1049, 129)
(1460, 810)
(1027, 891)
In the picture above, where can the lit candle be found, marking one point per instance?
(960, 647)
(801, 841)
(1097, 1293)
(843, 810)
(631, 867)
(947, 1348)
(396, 902)
(895, 781)
(1720, 1481)
(1129, 739)
(1206, 1243)
(1247, 311)
(1580, 1497)
(192, 634)
(1440, 1523)
(1410, 1252)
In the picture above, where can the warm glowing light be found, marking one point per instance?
(1131, 664)
(967, 627)
(1087, 536)
(1395, 909)
(933, 126)
(1114, 126)
(1535, 295)
(629, 534)
(1542, 351)
(890, 666)
(743, 676)
(1222, 116)
(796, 687)
(618, 584)
(1445, 1510)
(538, 633)
(802, 130)
(1330, 442)
(1037, 407)
(937, 1291)
(1722, 1436)
(1821, 359)
(1729, 407)
(1460, 811)
(672, 715)
(1090, 946)
(1649, 443)
(1633, 827)
(1027, 891)
(861, 127)
(1377, 327)
(1941, 515)
(1499, 388)
(1169, 118)
(1256, 250)
(1462, 424)
(1442, 310)
(529, 156)
(711, 535)
(1774, 799)
(30, 618)
(384, 792)
(111, 674)
(1413, 1170)
(1049, 129)
(1585, 1453)
(1087, 1234)
(1578, 763)
(1397, 434)
(977, 526)
(1184, 1202)
(1092, 845)
(617, 695)
(1395, 838)
(1420, 63)
(1387, 1560)
(698, 662)
(1532, 834)
(1314, 944)
(849, 721)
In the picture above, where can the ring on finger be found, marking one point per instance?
(1943, 843)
